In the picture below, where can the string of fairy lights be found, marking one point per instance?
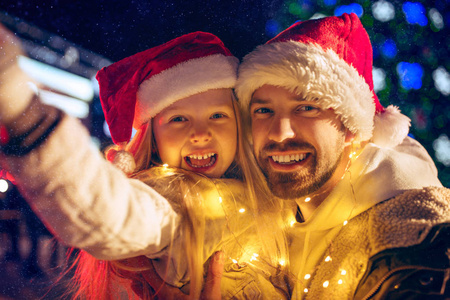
(249, 257)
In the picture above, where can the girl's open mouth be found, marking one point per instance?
(201, 160)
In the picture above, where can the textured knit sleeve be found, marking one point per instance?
(87, 202)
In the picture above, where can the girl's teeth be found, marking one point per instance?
(200, 156)
(201, 161)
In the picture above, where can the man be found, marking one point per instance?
(369, 216)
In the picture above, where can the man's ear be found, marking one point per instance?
(349, 137)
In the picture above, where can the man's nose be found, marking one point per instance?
(281, 130)
(200, 134)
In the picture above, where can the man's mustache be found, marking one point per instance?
(291, 145)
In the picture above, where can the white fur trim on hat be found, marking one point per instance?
(314, 74)
(183, 80)
(122, 159)
(390, 127)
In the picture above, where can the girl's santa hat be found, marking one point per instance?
(135, 89)
(327, 60)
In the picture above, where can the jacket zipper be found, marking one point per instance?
(389, 274)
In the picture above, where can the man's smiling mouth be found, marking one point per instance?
(201, 160)
(289, 158)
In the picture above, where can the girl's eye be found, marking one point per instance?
(307, 108)
(178, 119)
(218, 116)
(262, 110)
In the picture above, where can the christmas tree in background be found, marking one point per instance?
(411, 61)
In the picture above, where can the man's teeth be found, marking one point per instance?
(289, 158)
(204, 156)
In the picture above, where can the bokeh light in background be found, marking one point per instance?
(389, 49)
(351, 8)
(3, 186)
(383, 11)
(411, 60)
(410, 75)
(415, 13)
(442, 81)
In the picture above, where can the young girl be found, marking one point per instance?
(178, 96)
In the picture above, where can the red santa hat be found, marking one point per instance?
(135, 89)
(327, 60)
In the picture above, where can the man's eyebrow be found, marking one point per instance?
(264, 101)
(258, 101)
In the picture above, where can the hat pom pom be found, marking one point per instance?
(122, 160)
(390, 127)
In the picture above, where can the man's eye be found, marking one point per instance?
(262, 110)
(178, 119)
(217, 116)
(308, 110)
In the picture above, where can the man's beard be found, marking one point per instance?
(300, 183)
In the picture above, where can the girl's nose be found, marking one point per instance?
(201, 134)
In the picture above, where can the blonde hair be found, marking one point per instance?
(97, 279)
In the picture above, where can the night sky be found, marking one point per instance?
(116, 29)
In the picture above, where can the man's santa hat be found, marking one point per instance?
(327, 60)
(135, 89)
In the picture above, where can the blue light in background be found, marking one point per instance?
(415, 13)
(376, 51)
(272, 28)
(389, 49)
(351, 8)
(410, 75)
(329, 2)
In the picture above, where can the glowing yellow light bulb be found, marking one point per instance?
(165, 165)
(305, 290)
(242, 210)
(345, 222)
(307, 199)
(343, 272)
(307, 276)
(326, 283)
(328, 258)
(340, 281)
(281, 262)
